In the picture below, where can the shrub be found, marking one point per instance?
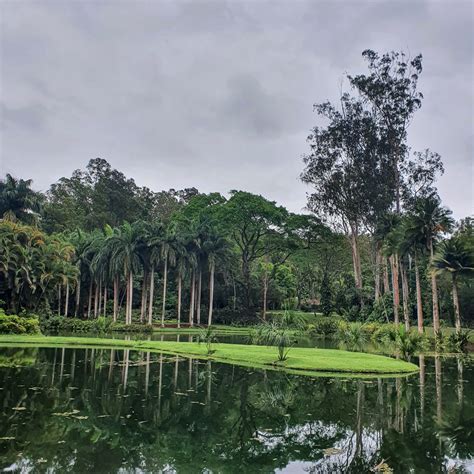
(13, 324)
(458, 342)
(98, 325)
(325, 326)
(408, 343)
(234, 317)
(353, 335)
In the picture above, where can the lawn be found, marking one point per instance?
(307, 360)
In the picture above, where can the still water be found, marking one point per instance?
(102, 411)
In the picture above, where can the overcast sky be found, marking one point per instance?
(218, 95)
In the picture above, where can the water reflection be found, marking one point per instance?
(97, 410)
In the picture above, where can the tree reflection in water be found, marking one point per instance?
(100, 410)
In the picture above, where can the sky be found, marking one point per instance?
(219, 95)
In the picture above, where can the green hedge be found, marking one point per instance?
(90, 325)
(13, 324)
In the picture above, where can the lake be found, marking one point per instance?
(95, 410)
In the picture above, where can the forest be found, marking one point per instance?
(375, 243)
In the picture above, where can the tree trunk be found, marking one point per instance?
(434, 295)
(96, 300)
(378, 262)
(386, 282)
(150, 303)
(116, 297)
(419, 302)
(179, 299)
(405, 296)
(165, 279)
(89, 305)
(191, 302)
(78, 297)
(356, 258)
(59, 300)
(265, 291)
(211, 294)
(127, 302)
(105, 301)
(131, 299)
(66, 303)
(198, 299)
(457, 314)
(144, 297)
(396, 289)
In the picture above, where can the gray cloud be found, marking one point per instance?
(217, 95)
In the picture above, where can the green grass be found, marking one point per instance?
(301, 360)
(219, 330)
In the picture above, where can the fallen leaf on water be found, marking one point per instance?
(332, 451)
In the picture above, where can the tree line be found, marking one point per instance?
(377, 245)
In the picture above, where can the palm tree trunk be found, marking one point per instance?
(105, 301)
(96, 300)
(165, 278)
(89, 305)
(457, 313)
(131, 298)
(152, 288)
(59, 300)
(179, 299)
(191, 303)
(434, 295)
(100, 298)
(66, 303)
(395, 286)
(144, 296)
(116, 297)
(198, 299)
(127, 303)
(419, 302)
(406, 309)
(78, 297)
(211, 294)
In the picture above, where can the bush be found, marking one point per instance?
(234, 317)
(98, 325)
(13, 324)
(458, 342)
(324, 326)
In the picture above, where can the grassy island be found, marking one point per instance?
(304, 360)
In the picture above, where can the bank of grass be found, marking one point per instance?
(302, 360)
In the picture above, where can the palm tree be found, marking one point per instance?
(168, 256)
(125, 247)
(18, 199)
(455, 258)
(215, 247)
(427, 222)
(155, 243)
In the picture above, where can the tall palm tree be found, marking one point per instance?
(168, 256)
(455, 258)
(18, 199)
(428, 220)
(125, 247)
(154, 243)
(215, 247)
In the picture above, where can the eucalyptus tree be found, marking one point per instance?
(427, 221)
(349, 172)
(391, 90)
(454, 257)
